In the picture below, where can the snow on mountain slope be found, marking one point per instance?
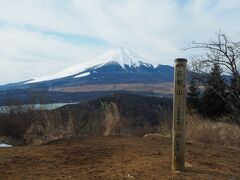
(82, 75)
(122, 56)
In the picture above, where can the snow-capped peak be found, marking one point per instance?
(122, 56)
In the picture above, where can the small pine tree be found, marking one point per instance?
(216, 81)
(213, 99)
(193, 99)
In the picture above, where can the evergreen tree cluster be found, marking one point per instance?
(209, 100)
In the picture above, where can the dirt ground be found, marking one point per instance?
(117, 157)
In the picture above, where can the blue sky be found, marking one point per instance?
(41, 37)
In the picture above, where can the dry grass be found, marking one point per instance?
(207, 131)
(213, 132)
(112, 122)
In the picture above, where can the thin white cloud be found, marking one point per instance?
(154, 29)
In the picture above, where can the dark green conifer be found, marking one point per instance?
(193, 96)
(214, 102)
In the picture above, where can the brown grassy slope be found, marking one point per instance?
(116, 157)
(211, 131)
(208, 131)
(165, 88)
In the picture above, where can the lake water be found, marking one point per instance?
(5, 109)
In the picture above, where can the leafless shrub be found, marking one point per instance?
(112, 120)
(165, 121)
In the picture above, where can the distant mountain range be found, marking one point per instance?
(117, 66)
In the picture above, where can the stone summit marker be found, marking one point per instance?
(179, 108)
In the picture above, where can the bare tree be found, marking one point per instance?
(224, 52)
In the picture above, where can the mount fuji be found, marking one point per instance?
(121, 60)
(117, 66)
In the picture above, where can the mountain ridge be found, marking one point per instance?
(119, 56)
(117, 66)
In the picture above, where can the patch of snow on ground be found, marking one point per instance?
(4, 145)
